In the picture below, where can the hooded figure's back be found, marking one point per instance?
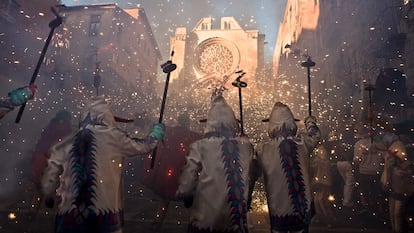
(284, 160)
(215, 177)
(88, 167)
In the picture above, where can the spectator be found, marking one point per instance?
(171, 157)
(345, 167)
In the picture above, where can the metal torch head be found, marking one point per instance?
(168, 67)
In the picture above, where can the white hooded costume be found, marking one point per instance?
(214, 180)
(87, 169)
(397, 180)
(285, 161)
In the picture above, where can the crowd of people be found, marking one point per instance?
(376, 167)
(80, 174)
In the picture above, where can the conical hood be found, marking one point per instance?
(281, 120)
(98, 112)
(221, 119)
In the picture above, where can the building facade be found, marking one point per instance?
(212, 54)
(106, 48)
(352, 44)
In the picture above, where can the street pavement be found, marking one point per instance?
(146, 212)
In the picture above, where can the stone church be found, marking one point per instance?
(216, 55)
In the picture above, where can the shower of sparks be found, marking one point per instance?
(337, 104)
(259, 200)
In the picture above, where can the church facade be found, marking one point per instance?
(216, 55)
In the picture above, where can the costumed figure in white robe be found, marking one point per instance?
(86, 169)
(285, 164)
(214, 181)
(397, 180)
(321, 183)
(370, 164)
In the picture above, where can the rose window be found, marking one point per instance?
(215, 59)
(216, 56)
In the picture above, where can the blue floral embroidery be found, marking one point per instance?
(235, 184)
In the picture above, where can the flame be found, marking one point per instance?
(11, 216)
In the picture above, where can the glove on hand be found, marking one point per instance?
(310, 120)
(158, 131)
(21, 95)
